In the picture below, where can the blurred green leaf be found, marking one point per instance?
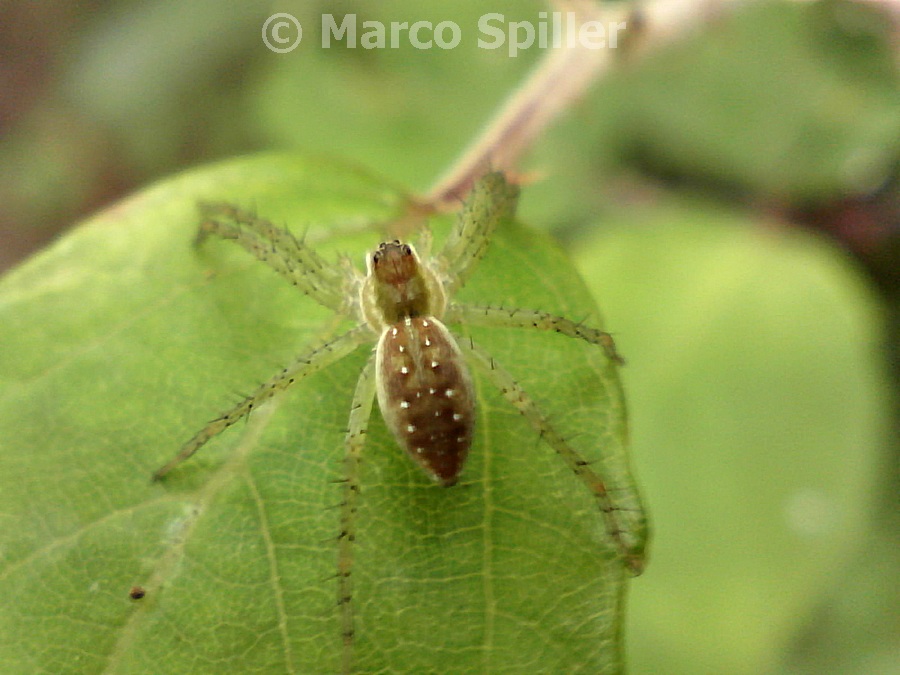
(784, 99)
(778, 102)
(760, 412)
(121, 340)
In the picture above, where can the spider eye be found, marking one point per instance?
(406, 250)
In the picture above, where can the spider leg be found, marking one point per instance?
(425, 241)
(360, 411)
(629, 537)
(324, 282)
(499, 317)
(304, 365)
(492, 199)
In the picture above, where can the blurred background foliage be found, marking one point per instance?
(732, 200)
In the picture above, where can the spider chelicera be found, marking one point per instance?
(418, 370)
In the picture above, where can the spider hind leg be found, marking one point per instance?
(626, 528)
(500, 317)
(357, 428)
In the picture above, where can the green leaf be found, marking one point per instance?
(121, 340)
(761, 408)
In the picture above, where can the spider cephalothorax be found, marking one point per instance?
(398, 286)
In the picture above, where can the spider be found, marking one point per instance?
(417, 371)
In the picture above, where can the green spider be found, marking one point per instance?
(417, 370)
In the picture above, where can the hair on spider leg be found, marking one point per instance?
(240, 395)
(331, 577)
(348, 482)
(346, 574)
(546, 434)
(334, 507)
(585, 464)
(346, 534)
(571, 437)
(539, 437)
(580, 323)
(301, 239)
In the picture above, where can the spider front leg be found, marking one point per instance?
(302, 366)
(324, 282)
(498, 317)
(492, 199)
(629, 537)
(360, 412)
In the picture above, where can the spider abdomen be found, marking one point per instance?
(425, 394)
